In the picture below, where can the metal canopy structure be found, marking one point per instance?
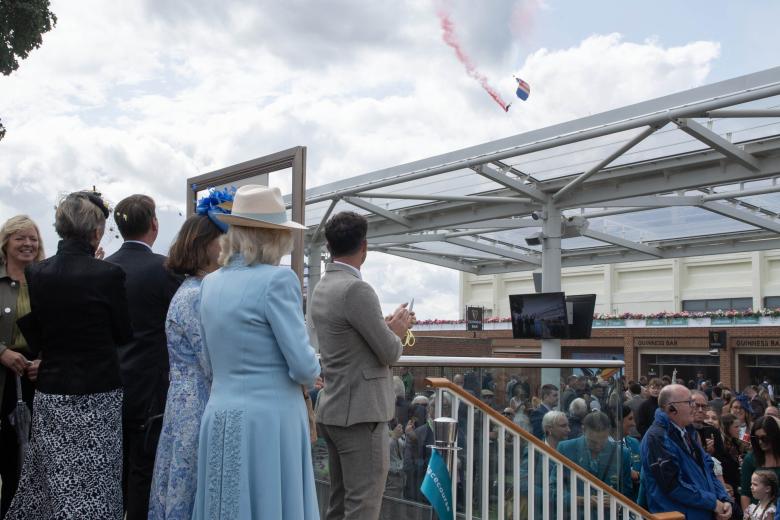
(693, 173)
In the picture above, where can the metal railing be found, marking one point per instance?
(586, 497)
(504, 471)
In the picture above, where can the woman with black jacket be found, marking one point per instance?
(78, 316)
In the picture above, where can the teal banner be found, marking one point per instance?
(599, 323)
(437, 487)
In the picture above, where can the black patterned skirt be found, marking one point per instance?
(73, 468)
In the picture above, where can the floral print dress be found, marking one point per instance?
(175, 467)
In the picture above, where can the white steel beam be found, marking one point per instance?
(721, 195)
(710, 138)
(650, 201)
(622, 242)
(448, 216)
(735, 112)
(503, 223)
(465, 257)
(477, 199)
(499, 177)
(500, 251)
(641, 136)
(748, 217)
(317, 232)
(382, 212)
(435, 260)
(414, 238)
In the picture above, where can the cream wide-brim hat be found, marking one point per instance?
(255, 205)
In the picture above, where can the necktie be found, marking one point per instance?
(688, 442)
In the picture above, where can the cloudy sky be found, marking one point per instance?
(138, 96)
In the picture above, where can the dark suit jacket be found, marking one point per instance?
(536, 420)
(143, 361)
(79, 316)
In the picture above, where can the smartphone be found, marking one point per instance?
(410, 308)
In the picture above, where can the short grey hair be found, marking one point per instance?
(550, 418)
(578, 407)
(77, 217)
(256, 244)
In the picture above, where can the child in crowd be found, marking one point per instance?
(763, 485)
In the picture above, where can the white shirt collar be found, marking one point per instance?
(138, 242)
(351, 268)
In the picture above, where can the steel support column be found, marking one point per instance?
(551, 282)
(315, 269)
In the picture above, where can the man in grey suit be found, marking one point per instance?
(357, 346)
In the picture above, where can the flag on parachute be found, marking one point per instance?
(523, 89)
(437, 487)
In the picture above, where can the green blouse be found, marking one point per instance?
(22, 309)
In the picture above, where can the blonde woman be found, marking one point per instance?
(254, 455)
(20, 246)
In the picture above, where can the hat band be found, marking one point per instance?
(279, 217)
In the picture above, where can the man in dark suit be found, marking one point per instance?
(549, 399)
(144, 361)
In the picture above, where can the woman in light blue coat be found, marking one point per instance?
(254, 459)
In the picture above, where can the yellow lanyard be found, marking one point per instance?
(409, 340)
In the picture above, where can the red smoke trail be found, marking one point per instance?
(448, 29)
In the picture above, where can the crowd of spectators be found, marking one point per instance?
(700, 448)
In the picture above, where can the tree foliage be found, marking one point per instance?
(22, 23)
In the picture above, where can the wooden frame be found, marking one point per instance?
(294, 158)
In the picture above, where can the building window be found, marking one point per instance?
(719, 304)
(772, 302)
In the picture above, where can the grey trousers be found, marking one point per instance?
(359, 458)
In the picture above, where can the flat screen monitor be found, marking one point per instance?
(539, 315)
(580, 309)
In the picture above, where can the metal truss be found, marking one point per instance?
(714, 176)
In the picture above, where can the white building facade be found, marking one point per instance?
(708, 283)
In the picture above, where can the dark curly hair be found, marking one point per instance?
(345, 233)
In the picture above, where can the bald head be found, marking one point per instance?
(675, 400)
(772, 411)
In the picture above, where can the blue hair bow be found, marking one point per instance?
(217, 201)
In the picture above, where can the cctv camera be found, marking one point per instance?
(539, 214)
(535, 239)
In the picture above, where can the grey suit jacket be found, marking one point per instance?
(356, 349)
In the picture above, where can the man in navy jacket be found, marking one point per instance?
(676, 472)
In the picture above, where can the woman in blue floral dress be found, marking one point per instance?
(194, 253)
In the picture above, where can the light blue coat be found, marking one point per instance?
(254, 459)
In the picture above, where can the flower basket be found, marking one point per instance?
(656, 322)
(722, 320)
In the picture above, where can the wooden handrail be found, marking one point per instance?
(442, 382)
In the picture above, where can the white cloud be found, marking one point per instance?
(136, 97)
